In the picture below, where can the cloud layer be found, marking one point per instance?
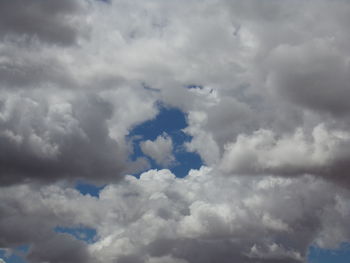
(161, 218)
(245, 72)
(264, 86)
(48, 21)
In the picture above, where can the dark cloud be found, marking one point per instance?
(29, 69)
(44, 141)
(313, 75)
(50, 21)
(130, 259)
(20, 226)
(58, 249)
(207, 251)
(27, 220)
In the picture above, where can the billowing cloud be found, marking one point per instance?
(161, 150)
(59, 139)
(199, 218)
(324, 153)
(36, 227)
(263, 86)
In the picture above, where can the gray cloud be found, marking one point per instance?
(50, 21)
(32, 68)
(60, 248)
(271, 98)
(49, 141)
(161, 150)
(324, 152)
(20, 225)
(312, 75)
(205, 217)
(200, 218)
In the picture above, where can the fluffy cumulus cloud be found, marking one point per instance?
(161, 150)
(161, 218)
(264, 87)
(323, 153)
(52, 138)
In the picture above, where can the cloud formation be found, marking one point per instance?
(49, 21)
(160, 150)
(57, 139)
(325, 153)
(264, 86)
(199, 218)
(241, 66)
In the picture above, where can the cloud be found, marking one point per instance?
(28, 69)
(160, 150)
(313, 75)
(199, 218)
(245, 66)
(59, 139)
(264, 153)
(48, 21)
(60, 248)
(204, 217)
(28, 218)
(263, 86)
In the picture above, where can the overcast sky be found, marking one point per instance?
(183, 131)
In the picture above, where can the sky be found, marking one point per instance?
(152, 131)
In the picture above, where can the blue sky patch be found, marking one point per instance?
(16, 255)
(170, 121)
(319, 255)
(194, 86)
(88, 189)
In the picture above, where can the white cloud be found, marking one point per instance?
(264, 152)
(254, 73)
(272, 98)
(160, 150)
(199, 218)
